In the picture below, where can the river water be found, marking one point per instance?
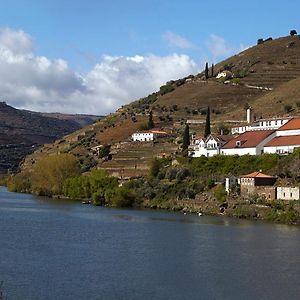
(65, 250)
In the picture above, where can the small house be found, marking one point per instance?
(258, 183)
(148, 135)
(224, 74)
(288, 193)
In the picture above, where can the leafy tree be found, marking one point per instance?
(186, 138)
(50, 173)
(104, 151)
(150, 121)
(207, 130)
(220, 194)
(154, 167)
(223, 129)
(122, 197)
(293, 32)
(206, 70)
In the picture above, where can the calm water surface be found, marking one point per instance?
(63, 250)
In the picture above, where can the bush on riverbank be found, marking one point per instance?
(92, 185)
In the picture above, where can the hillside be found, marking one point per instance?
(21, 131)
(266, 76)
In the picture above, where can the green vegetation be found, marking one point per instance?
(207, 130)
(150, 121)
(47, 177)
(206, 71)
(186, 139)
(167, 88)
(96, 184)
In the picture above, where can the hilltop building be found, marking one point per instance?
(148, 135)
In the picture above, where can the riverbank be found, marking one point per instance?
(273, 211)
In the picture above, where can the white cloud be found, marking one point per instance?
(177, 41)
(38, 83)
(220, 49)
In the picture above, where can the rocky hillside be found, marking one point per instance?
(21, 131)
(265, 76)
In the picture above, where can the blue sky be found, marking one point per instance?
(83, 33)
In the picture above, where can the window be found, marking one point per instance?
(283, 194)
(291, 195)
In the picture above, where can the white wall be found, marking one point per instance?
(280, 149)
(288, 193)
(239, 151)
(288, 132)
(143, 137)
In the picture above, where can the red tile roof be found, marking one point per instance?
(257, 175)
(291, 124)
(248, 139)
(284, 141)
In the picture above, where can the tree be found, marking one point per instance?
(207, 131)
(206, 71)
(212, 70)
(150, 121)
(50, 173)
(186, 138)
(293, 32)
(154, 167)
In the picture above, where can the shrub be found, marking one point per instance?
(182, 174)
(293, 32)
(288, 108)
(122, 197)
(220, 194)
(171, 174)
(155, 167)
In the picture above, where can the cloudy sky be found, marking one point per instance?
(93, 56)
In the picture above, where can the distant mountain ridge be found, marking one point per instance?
(21, 129)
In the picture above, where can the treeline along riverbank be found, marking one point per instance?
(185, 184)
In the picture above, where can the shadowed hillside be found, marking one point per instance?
(21, 131)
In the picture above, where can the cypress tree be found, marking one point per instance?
(186, 138)
(206, 70)
(150, 121)
(212, 70)
(207, 123)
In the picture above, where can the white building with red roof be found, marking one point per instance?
(249, 142)
(287, 138)
(208, 147)
(148, 135)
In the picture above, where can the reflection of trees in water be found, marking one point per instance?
(2, 295)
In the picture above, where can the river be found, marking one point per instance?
(53, 249)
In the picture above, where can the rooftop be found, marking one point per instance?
(291, 124)
(248, 139)
(284, 141)
(257, 175)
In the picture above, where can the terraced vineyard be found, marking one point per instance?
(134, 158)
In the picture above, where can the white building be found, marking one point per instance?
(282, 144)
(224, 74)
(230, 182)
(262, 124)
(288, 193)
(292, 127)
(207, 147)
(148, 135)
(249, 142)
